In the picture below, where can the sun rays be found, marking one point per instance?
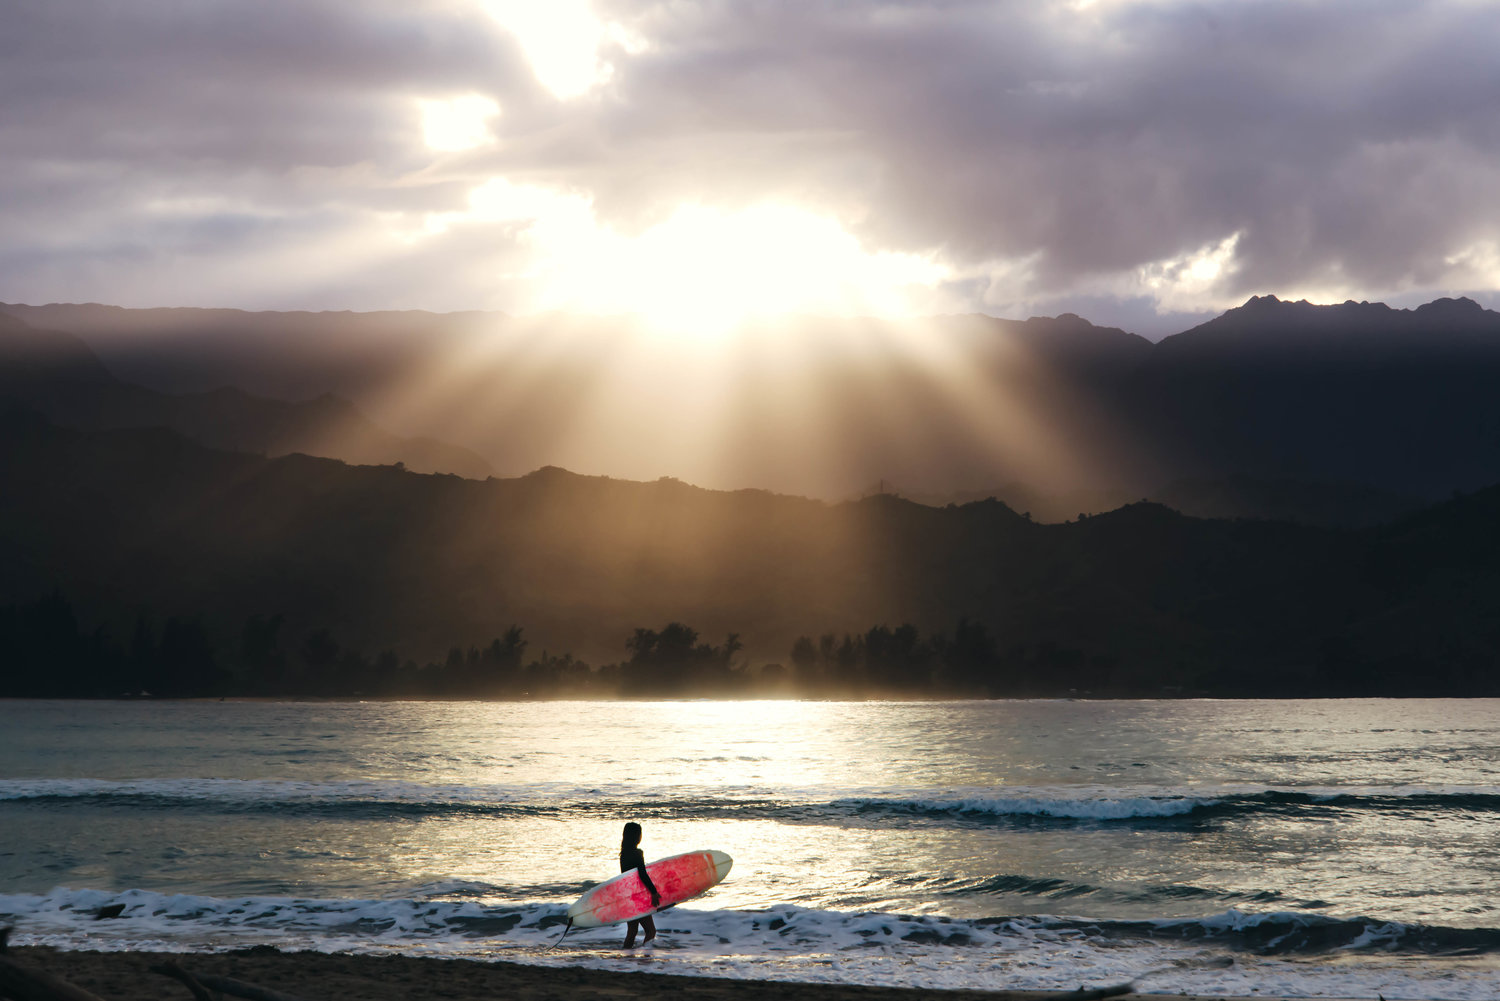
(824, 407)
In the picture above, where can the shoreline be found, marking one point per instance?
(763, 697)
(127, 976)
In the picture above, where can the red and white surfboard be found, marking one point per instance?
(625, 898)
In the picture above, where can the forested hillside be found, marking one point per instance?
(134, 526)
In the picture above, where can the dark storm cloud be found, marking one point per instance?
(1353, 147)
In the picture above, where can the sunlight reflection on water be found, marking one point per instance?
(1108, 809)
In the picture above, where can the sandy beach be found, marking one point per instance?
(127, 976)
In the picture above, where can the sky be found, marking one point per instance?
(1144, 163)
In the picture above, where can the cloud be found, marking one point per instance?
(1039, 155)
(564, 41)
(458, 123)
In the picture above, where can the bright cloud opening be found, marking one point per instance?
(1477, 265)
(561, 39)
(705, 268)
(701, 270)
(1191, 281)
(458, 123)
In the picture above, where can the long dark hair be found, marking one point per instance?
(631, 838)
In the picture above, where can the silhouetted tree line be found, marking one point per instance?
(971, 663)
(46, 653)
(673, 660)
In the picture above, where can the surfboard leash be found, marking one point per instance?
(567, 928)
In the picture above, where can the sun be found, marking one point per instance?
(706, 269)
(701, 270)
(457, 123)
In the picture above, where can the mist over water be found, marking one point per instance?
(949, 844)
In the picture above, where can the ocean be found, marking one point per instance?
(1300, 848)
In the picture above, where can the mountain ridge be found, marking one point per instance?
(1314, 325)
(1394, 403)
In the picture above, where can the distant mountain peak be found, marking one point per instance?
(550, 472)
(1269, 305)
(1463, 306)
(1067, 323)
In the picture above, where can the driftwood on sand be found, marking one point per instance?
(23, 982)
(206, 982)
(200, 993)
(240, 989)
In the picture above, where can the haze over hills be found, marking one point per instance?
(1143, 600)
(56, 374)
(818, 408)
(1341, 414)
(140, 505)
(1402, 400)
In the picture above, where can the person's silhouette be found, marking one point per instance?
(631, 857)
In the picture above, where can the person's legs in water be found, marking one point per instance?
(645, 922)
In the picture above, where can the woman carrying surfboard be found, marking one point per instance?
(631, 857)
(640, 889)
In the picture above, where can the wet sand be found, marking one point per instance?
(313, 976)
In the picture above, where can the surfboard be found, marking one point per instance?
(625, 897)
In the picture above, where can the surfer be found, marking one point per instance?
(631, 857)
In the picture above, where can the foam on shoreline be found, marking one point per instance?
(1275, 953)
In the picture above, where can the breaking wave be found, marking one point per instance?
(1058, 804)
(455, 914)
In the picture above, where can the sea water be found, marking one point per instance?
(1334, 848)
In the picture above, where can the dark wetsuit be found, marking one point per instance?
(634, 858)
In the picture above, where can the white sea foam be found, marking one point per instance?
(781, 943)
